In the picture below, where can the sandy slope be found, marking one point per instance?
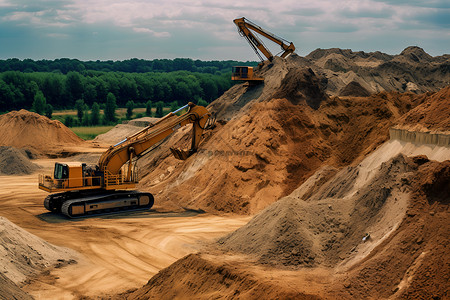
(118, 252)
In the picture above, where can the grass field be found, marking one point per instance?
(88, 132)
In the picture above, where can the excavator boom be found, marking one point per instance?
(246, 27)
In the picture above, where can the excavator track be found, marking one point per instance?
(75, 205)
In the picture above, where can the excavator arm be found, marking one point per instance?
(246, 27)
(136, 145)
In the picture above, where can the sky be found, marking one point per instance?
(204, 29)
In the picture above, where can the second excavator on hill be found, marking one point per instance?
(80, 190)
(250, 31)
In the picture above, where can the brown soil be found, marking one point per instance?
(403, 208)
(281, 133)
(24, 129)
(9, 290)
(433, 114)
(24, 254)
(15, 161)
(413, 70)
(354, 89)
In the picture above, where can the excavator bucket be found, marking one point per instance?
(181, 154)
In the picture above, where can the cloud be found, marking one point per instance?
(151, 32)
(116, 29)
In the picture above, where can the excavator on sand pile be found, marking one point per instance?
(104, 188)
(245, 28)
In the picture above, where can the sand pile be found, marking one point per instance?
(413, 262)
(324, 228)
(23, 254)
(15, 161)
(9, 290)
(24, 129)
(269, 139)
(121, 131)
(351, 73)
(380, 232)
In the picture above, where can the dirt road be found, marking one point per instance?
(119, 252)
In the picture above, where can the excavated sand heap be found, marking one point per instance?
(15, 162)
(351, 73)
(24, 129)
(121, 131)
(269, 139)
(23, 254)
(377, 233)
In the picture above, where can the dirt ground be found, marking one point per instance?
(118, 252)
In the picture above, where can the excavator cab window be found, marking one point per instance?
(61, 171)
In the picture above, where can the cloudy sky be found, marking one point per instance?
(204, 29)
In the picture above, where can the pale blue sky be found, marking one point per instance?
(149, 29)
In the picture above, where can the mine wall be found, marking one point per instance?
(419, 137)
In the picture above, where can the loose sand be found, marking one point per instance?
(15, 161)
(24, 129)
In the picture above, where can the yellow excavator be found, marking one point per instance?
(247, 29)
(80, 190)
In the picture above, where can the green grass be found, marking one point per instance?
(90, 132)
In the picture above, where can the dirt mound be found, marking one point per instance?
(9, 290)
(354, 89)
(433, 114)
(324, 228)
(143, 122)
(197, 277)
(24, 129)
(412, 263)
(412, 70)
(121, 131)
(380, 234)
(299, 85)
(264, 149)
(117, 134)
(15, 161)
(23, 254)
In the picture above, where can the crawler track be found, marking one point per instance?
(79, 204)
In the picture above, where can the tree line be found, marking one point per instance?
(134, 65)
(18, 89)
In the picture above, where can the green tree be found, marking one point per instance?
(74, 86)
(68, 121)
(48, 111)
(174, 106)
(39, 103)
(202, 102)
(148, 108)
(159, 109)
(110, 108)
(130, 107)
(79, 106)
(95, 114)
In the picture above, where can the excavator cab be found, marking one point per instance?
(245, 73)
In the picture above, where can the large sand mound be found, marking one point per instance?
(379, 234)
(15, 161)
(270, 139)
(24, 129)
(23, 254)
(357, 73)
(121, 131)
(379, 228)
(324, 228)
